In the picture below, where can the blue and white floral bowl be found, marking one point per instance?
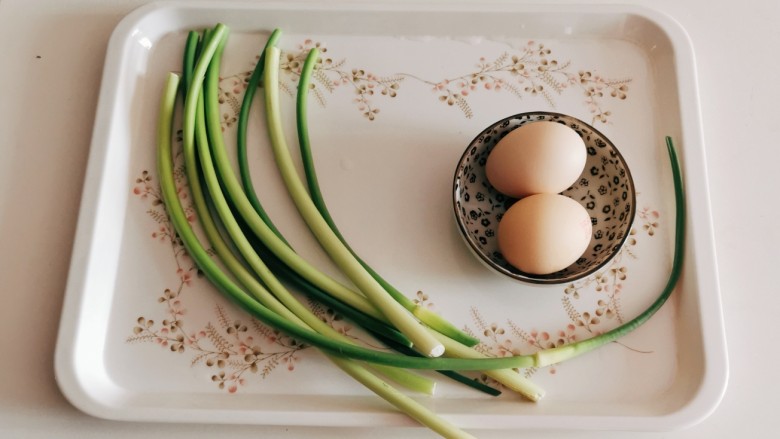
(605, 189)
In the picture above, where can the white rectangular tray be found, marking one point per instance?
(405, 88)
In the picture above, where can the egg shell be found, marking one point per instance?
(544, 233)
(538, 157)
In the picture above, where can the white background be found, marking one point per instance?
(52, 58)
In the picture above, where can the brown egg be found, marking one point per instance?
(538, 157)
(544, 233)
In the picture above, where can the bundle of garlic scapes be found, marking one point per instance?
(232, 217)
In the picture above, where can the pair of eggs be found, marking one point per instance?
(543, 232)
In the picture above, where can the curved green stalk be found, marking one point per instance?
(374, 326)
(423, 341)
(363, 320)
(190, 52)
(208, 122)
(201, 257)
(508, 377)
(371, 318)
(189, 139)
(407, 405)
(387, 334)
(221, 248)
(556, 355)
(451, 337)
(278, 246)
(425, 315)
(228, 287)
(222, 282)
(243, 120)
(448, 373)
(252, 212)
(347, 298)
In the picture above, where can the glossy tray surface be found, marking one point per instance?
(403, 89)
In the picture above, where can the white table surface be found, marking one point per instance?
(52, 59)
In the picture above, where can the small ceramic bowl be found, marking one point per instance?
(605, 189)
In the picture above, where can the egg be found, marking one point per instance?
(544, 233)
(538, 157)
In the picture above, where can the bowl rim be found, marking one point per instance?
(522, 276)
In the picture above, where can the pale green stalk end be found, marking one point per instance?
(406, 378)
(442, 326)
(551, 356)
(508, 377)
(518, 383)
(414, 409)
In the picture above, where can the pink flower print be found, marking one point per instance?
(601, 282)
(572, 290)
(567, 335)
(593, 91)
(542, 51)
(587, 320)
(585, 77)
(439, 86)
(545, 65)
(619, 92)
(505, 349)
(619, 272)
(253, 357)
(534, 90)
(494, 331)
(185, 276)
(178, 344)
(539, 339)
(219, 379)
(650, 218)
(160, 233)
(291, 360)
(236, 328)
(466, 87)
(605, 309)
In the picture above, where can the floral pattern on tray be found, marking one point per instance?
(232, 345)
(239, 349)
(586, 317)
(528, 72)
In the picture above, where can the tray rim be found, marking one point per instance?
(700, 238)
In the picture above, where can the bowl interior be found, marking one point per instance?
(605, 188)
